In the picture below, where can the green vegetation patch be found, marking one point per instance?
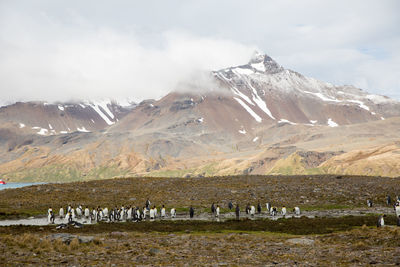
(293, 226)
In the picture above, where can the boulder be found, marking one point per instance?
(85, 239)
(301, 241)
(63, 237)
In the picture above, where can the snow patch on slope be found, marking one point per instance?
(243, 71)
(238, 93)
(259, 66)
(378, 99)
(286, 121)
(83, 130)
(331, 123)
(360, 104)
(323, 97)
(43, 131)
(103, 104)
(258, 100)
(248, 109)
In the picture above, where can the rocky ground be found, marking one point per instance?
(363, 246)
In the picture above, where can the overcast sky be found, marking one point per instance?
(62, 50)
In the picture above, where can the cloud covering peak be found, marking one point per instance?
(58, 51)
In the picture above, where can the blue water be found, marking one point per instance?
(16, 185)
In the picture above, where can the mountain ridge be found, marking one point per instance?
(260, 119)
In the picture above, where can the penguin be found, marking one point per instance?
(49, 211)
(212, 208)
(283, 211)
(151, 214)
(73, 213)
(252, 211)
(381, 221)
(87, 213)
(163, 212)
(129, 214)
(111, 216)
(99, 214)
(297, 210)
(122, 213)
(94, 214)
(191, 212)
(69, 216)
(79, 212)
(173, 213)
(50, 216)
(259, 208)
(217, 211)
(105, 212)
(268, 206)
(237, 212)
(230, 205)
(388, 200)
(397, 209)
(138, 217)
(273, 211)
(144, 213)
(61, 213)
(77, 225)
(62, 226)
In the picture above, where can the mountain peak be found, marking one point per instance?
(257, 57)
(264, 63)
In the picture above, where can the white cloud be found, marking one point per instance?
(94, 49)
(61, 63)
(105, 63)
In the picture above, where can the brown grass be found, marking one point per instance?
(360, 246)
(308, 192)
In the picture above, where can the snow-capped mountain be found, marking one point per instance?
(268, 92)
(252, 97)
(258, 118)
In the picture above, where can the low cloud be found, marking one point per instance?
(104, 63)
(57, 51)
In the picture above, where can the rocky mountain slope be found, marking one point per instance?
(46, 119)
(256, 118)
